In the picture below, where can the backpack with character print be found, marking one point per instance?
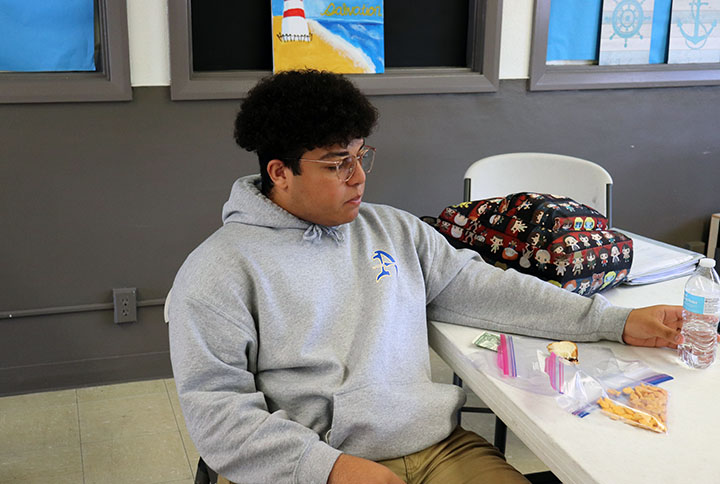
(554, 238)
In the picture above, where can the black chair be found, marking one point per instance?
(500, 439)
(204, 474)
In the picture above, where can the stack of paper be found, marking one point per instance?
(655, 261)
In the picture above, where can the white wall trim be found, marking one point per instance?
(148, 43)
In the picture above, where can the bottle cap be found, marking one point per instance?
(707, 262)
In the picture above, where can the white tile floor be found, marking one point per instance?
(125, 433)
(133, 433)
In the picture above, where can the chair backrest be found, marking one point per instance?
(582, 180)
(166, 307)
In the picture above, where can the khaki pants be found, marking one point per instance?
(462, 458)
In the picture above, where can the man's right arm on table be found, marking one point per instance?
(214, 356)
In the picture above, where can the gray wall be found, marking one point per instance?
(103, 195)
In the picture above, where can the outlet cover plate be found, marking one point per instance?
(125, 304)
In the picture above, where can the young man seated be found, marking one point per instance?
(299, 329)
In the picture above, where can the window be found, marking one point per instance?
(547, 75)
(110, 81)
(430, 47)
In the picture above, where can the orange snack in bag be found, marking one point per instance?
(646, 407)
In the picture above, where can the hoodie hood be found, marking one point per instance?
(247, 205)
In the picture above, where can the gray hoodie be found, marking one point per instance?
(293, 342)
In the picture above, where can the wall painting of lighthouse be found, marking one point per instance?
(694, 32)
(346, 37)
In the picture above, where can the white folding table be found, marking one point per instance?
(596, 449)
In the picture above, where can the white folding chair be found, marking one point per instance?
(713, 236)
(500, 175)
(582, 180)
(166, 307)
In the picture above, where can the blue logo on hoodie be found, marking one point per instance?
(386, 261)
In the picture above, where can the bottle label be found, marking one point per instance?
(701, 305)
(712, 305)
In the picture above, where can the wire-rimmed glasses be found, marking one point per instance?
(345, 167)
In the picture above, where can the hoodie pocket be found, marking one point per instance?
(387, 420)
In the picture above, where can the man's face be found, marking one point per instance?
(317, 194)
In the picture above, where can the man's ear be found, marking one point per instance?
(279, 174)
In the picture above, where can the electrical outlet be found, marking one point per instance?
(125, 302)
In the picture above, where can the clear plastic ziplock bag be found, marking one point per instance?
(639, 404)
(522, 362)
(519, 362)
(599, 380)
(610, 388)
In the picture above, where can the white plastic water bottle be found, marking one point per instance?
(701, 312)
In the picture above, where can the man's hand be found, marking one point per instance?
(349, 469)
(655, 326)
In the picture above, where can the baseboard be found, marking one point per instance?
(83, 373)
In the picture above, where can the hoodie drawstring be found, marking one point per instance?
(315, 232)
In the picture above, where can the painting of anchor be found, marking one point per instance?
(694, 32)
(344, 37)
(626, 32)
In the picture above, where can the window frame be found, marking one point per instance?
(545, 77)
(110, 83)
(482, 75)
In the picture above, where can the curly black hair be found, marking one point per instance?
(292, 112)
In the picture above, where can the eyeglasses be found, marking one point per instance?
(345, 167)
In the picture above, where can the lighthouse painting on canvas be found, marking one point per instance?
(344, 37)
